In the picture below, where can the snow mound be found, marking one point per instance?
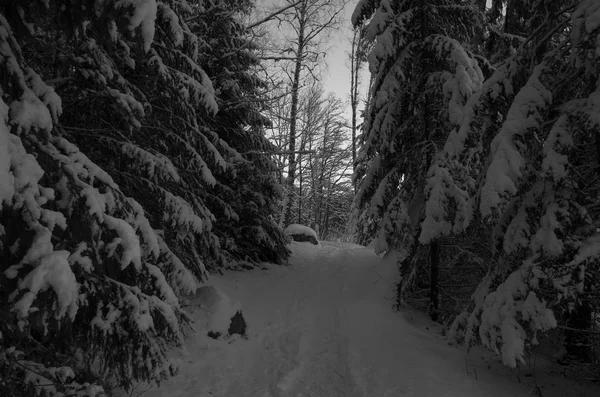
(214, 310)
(301, 233)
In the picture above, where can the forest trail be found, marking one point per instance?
(324, 327)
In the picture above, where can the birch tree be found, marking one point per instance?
(324, 164)
(305, 25)
(358, 57)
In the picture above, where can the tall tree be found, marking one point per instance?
(539, 183)
(358, 56)
(247, 193)
(329, 168)
(324, 163)
(88, 286)
(308, 21)
(513, 157)
(125, 168)
(311, 124)
(423, 77)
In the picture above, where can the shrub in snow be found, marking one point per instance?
(301, 233)
(217, 314)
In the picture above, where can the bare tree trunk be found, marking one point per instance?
(300, 181)
(321, 179)
(478, 38)
(357, 58)
(427, 130)
(510, 22)
(434, 260)
(309, 20)
(325, 232)
(354, 63)
(305, 137)
(287, 211)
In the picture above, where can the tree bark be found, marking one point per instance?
(300, 181)
(434, 260)
(287, 211)
(427, 131)
(510, 23)
(301, 171)
(354, 62)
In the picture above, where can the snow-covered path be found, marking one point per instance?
(324, 327)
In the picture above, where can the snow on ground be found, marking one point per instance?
(324, 327)
(212, 309)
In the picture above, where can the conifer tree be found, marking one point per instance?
(120, 179)
(247, 193)
(88, 286)
(539, 183)
(423, 77)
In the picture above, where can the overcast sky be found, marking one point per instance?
(336, 78)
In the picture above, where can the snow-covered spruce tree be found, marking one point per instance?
(539, 185)
(131, 105)
(423, 77)
(247, 192)
(85, 273)
(88, 287)
(185, 107)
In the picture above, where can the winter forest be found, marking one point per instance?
(147, 146)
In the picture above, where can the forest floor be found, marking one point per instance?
(324, 326)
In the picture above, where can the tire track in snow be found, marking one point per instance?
(290, 343)
(290, 381)
(325, 327)
(330, 374)
(323, 368)
(297, 342)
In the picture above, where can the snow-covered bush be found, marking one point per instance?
(299, 232)
(216, 313)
